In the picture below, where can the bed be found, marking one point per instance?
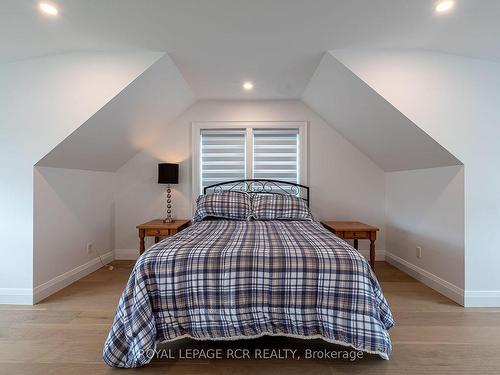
(263, 269)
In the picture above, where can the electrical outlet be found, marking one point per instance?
(419, 252)
(90, 248)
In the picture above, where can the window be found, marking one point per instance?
(225, 151)
(275, 154)
(222, 156)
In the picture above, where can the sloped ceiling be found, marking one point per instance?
(219, 43)
(136, 117)
(43, 100)
(369, 122)
(127, 124)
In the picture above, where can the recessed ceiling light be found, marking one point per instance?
(444, 6)
(247, 86)
(48, 9)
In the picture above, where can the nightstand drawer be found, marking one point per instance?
(355, 235)
(158, 232)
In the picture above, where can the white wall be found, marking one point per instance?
(72, 208)
(345, 184)
(41, 102)
(425, 208)
(456, 100)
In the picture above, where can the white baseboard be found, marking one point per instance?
(126, 254)
(28, 296)
(440, 285)
(57, 283)
(16, 296)
(482, 298)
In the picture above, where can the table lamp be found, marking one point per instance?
(168, 173)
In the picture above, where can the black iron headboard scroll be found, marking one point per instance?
(261, 186)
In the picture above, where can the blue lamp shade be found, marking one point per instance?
(168, 173)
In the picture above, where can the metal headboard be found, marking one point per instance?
(261, 186)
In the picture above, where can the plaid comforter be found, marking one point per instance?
(234, 279)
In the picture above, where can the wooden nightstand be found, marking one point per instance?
(354, 230)
(157, 228)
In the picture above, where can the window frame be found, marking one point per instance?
(198, 126)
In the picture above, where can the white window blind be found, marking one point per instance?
(275, 154)
(226, 151)
(222, 156)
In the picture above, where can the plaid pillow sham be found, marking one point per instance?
(279, 207)
(231, 205)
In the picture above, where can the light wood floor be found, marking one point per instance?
(64, 335)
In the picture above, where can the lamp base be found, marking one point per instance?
(169, 219)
